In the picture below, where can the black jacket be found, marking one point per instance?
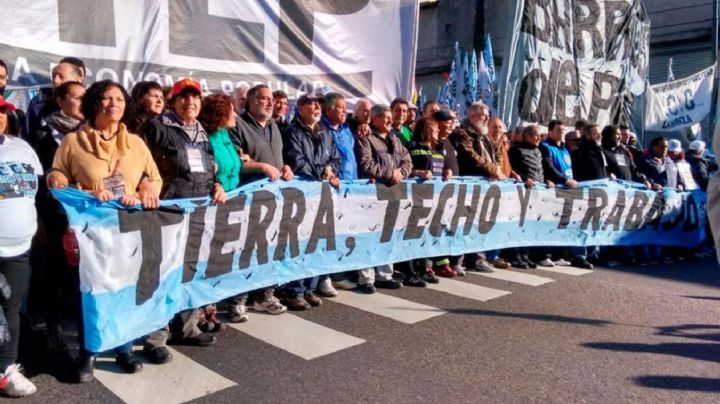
(700, 168)
(308, 153)
(526, 160)
(589, 162)
(169, 142)
(621, 163)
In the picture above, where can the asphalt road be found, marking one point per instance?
(626, 334)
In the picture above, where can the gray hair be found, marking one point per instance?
(476, 107)
(378, 110)
(330, 98)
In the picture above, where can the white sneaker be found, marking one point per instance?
(547, 262)
(238, 313)
(15, 384)
(563, 262)
(459, 270)
(483, 266)
(271, 305)
(325, 288)
(345, 284)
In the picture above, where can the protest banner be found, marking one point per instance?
(679, 104)
(574, 59)
(138, 268)
(295, 46)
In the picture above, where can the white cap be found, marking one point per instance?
(674, 146)
(697, 145)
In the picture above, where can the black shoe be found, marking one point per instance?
(520, 264)
(391, 284)
(128, 362)
(415, 281)
(430, 277)
(157, 355)
(204, 339)
(530, 263)
(85, 369)
(367, 289)
(581, 263)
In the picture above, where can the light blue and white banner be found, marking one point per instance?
(138, 268)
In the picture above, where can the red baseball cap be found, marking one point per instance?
(6, 106)
(184, 85)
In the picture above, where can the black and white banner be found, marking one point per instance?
(681, 103)
(574, 59)
(356, 47)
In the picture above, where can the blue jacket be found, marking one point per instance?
(345, 143)
(308, 153)
(663, 172)
(557, 164)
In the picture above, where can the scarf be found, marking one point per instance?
(62, 123)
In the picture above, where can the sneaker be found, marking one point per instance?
(581, 263)
(345, 284)
(415, 281)
(238, 313)
(458, 269)
(445, 271)
(368, 289)
(547, 262)
(313, 299)
(500, 264)
(391, 284)
(55, 341)
(271, 305)
(563, 262)
(297, 303)
(483, 266)
(326, 289)
(15, 384)
(429, 275)
(128, 362)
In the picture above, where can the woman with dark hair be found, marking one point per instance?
(147, 102)
(104, 159)
(21, 168)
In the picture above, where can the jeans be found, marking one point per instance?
(17, 273)
(592, 252)
(301, 287)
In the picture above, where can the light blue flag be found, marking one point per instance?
(465, 96)
(456, 79)
(489, 60)
(473, 77)
(487, 94)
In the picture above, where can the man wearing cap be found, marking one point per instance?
(259, 136)
(399, 110)
(180, 147)
(280, 109)
(677, 155)
(699, 165)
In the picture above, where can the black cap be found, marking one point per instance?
(308, 98)
(442, 115)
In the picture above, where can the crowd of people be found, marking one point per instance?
(166, 143)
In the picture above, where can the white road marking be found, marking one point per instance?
(516, 277)
(467, 290)
(566, 270)
(179, 381)
(296, 335)
(388, 306)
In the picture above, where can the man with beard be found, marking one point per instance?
(619, 159)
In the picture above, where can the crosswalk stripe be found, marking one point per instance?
(388, 306)
(179, 381)
(296, 335)
(567, 270)
(467, 290)
(516, 277)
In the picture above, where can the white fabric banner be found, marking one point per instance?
(356, 47)
(681, 103)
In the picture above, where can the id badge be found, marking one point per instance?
(196, 162)
(115, 184)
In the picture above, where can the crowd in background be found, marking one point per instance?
(166, 143)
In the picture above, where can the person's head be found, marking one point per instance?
(411, 116)
(430, 107)
(697, 147)
(148, 95)
(610, 136)
(426, 131)
(399, 108)
(478, 114)
(259, 102)
(624, 134)
(216, 112)
(496, 128)
(532, 135)
(66, 71)
(592, 134)
(185, 99)
(446, 122)
(675, 150)
(517, 135)
(556, 130)
(280, 104)
(104, 103)
(572, 140)
(361, 113)
(381, 118)
(69, 96)
(309, 109)
(9, 122)
(3, 77)
(334, 108)
(240, 97)
(580, 124)
(659, 146)
(76, 62)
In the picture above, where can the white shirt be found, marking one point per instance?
(19, 172)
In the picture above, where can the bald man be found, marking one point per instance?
(360, 118)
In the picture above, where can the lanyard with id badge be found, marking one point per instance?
(196, 160)
(115, 182)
